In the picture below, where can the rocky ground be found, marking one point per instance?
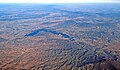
(59, 37)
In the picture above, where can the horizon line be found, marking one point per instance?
(66, 2)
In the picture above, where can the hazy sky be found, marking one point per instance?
(55, 1)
